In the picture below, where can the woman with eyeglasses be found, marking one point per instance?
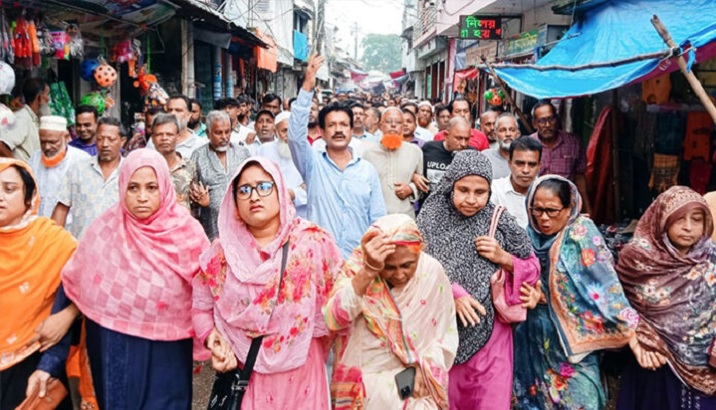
(455, 221)
(263, 282)
(582, 308)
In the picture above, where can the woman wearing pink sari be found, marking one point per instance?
(131, 278)
(394, 309)
(241, 293)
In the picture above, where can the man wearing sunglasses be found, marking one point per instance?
(562, 152)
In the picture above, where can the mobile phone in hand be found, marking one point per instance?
(405, 380)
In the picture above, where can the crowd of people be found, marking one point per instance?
(360, 252)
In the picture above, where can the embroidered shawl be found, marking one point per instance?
(587, 303)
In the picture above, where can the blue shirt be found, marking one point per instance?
(90, 149)
(344, 202)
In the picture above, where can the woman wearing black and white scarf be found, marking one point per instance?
(455, 221)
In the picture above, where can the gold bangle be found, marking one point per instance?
(371, 267)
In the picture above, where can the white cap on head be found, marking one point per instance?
(282, 116)
(426, 103)
(53, 123)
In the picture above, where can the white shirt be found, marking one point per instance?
(503, 193)
(51, 180)
(292, 177)
(424, 134)
(240, 133)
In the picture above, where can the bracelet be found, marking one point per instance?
(371, 267)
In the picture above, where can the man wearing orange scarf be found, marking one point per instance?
(395, 162)
(51, 163)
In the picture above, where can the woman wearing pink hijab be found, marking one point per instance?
(263, 284)
(131, 278)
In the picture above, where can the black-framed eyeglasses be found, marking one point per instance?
(551, 213)
(262, 188)
(547, 120)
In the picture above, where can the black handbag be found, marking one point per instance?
(228, 390)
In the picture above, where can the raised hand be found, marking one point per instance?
(315, 62)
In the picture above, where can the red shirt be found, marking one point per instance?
(478, 139)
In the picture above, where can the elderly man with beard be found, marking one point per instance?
(344, 192)
(187, 141)
(53, 161)
(92, 184)
(426, 130)
(215, 162)
(507, 131)
(22, 139)
(279, 152)
(183, 171)
(396, 160)
(86, 117)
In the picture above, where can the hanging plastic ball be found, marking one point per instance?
(105, 76)
(95, 100)
(87, 69)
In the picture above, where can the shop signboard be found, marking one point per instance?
(522, 44)
(473, 55)
(480, 27)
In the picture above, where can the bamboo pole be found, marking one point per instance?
(616, 63)
(503, 86)
(690, 77)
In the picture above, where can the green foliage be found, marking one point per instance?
(382, 52)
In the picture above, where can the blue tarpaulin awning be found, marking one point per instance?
(615, 31)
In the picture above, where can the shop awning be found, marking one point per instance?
(620, 33)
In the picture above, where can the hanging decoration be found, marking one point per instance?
(87, 69)
(494, 97)
(105, 76)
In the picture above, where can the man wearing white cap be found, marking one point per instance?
(279, 152)
(52, 162)
(426, 130)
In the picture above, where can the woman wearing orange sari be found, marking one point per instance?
(33, 251)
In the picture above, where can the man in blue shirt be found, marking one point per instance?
(344, 194)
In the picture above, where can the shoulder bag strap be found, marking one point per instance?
(499, 209)
(245, 374)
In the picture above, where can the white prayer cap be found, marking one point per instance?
(7, 78)
(425, 103)
(282, 116)
(53, 123)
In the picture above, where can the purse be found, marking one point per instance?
(55, 393)
(505, 312)
(229, 388)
